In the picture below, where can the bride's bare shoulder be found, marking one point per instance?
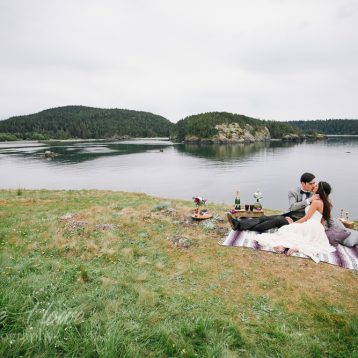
(318, 205)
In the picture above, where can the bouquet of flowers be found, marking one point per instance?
(258, 195)
(198, 200)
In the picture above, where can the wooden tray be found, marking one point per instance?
(201, 216)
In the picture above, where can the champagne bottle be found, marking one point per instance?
(237, 201)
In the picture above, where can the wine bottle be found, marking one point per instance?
(237, 201)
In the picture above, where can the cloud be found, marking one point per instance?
(274, 59)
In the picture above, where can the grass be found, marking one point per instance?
(96, 274)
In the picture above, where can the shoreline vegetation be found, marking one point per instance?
(80, 122)
(101, 274)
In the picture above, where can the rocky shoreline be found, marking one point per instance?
(233, 133)
(296, 137)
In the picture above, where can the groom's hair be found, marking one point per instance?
(307, 177)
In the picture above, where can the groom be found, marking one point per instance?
(298, 199)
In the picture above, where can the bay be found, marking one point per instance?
(162, 168)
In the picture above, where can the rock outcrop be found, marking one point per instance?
(51, 155)
(234, 133)
(292, 137)
(297, 138)
(316, 136)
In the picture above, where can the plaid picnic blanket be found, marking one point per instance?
(346, 257)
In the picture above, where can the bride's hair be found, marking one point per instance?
(324, 189)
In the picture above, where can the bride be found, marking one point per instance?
(306, 235)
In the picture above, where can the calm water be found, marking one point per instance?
(161, 168)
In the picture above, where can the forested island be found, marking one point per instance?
(80, 122)
(224, 127)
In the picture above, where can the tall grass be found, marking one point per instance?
(76, 287)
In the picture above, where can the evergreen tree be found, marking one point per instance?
(86, 122)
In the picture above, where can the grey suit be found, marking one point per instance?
(298, 202)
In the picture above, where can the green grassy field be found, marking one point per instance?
(96, 274)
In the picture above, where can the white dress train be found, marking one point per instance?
(308, 237)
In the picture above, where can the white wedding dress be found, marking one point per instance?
(308, 237)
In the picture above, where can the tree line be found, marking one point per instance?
(85, 123)
(328, 126)
(203, 126)
(71, 122)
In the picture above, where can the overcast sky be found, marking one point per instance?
(269, 59)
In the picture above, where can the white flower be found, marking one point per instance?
(258, 195)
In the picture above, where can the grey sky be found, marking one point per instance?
(270, 59)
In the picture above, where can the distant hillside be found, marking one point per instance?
(84, 122)
(217, 127)
(329, 126)
(228, 127)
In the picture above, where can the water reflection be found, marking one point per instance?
(222, 152)
(81, 151)
(73, 152)
(282, 144)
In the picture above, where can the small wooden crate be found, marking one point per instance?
(348, 224)
(247, 214)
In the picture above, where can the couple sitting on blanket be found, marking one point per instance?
(301, 229)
